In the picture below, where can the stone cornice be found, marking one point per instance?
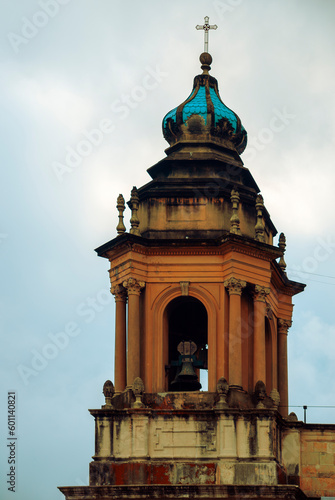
(199, 413)
(282, 283)
(125, 243)
(195, 491)
(216, 246)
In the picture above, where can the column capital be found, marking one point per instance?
(284, 325)
(268, 311)
(235, 286)
(133, 286)
(260, 293)
(119, 292)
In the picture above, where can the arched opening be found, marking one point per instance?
(186, 322)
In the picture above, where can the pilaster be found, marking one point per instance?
(120, 363)
(235, 287)
(283, 326)
(133, 287)
(259, 364)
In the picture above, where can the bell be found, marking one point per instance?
(187, 371)
(186, 379)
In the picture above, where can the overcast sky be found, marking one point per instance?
(69, 67)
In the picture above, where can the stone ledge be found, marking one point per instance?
(204, 492)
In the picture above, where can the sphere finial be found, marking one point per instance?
(206, 61)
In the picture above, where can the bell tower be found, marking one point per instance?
(198, 264)
(198, 406)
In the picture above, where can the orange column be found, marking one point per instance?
(259, 364)
(133, 287)
(120, 379)
(235, 287)
(283, 326)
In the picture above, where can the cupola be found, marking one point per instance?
(203, 117)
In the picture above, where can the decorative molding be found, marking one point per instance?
(197, 291)
(186, 251)
(235, 286)
(241, 248)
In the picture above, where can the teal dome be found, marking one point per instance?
(203, 116)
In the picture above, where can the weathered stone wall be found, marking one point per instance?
(185, 447)
(318, 460)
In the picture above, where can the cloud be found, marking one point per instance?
(56, 99)
(311, 354)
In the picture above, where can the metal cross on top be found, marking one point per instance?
(206, 27)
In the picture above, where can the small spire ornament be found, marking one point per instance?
(292, 417)
(138, 390)
(108, 391)
(274, 395)
(120, 205)
(133, 204)
(222, 390)
(260, 393)
(282, 246)
(234, 219)
(259, 227)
